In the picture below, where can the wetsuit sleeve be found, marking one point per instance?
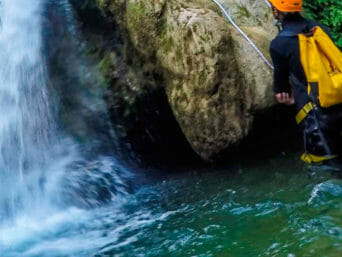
(281, 71)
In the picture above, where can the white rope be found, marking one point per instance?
(268, 3)
(224, 11)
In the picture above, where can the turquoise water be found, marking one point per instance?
(274, 207)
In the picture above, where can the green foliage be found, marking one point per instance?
(329, 13)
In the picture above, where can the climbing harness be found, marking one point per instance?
(311, 158)
(229, 18)
(316, 132)
(304, 112)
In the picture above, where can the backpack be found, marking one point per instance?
(322, 64)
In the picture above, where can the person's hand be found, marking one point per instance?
(285, 98)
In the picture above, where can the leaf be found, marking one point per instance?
(327, 12)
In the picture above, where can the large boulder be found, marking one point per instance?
(214, 80)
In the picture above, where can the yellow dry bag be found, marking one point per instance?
(322, 64)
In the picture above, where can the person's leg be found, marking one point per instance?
(314, 141)
(320, 135)
(330, 120)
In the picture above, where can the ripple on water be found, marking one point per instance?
(326, 192)
(211, 214)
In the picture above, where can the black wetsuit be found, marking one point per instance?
(322, 127)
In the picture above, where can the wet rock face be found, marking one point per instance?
(214, 81)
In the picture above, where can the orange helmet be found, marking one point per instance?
(287, 5)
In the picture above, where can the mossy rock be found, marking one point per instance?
(213, 79)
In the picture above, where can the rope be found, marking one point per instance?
(229, 18)
(268, 3)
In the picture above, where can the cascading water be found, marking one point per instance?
(41, 169)
(49, 178)
(28, 133)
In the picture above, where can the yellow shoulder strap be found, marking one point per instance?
(304, 112)
(310, 158)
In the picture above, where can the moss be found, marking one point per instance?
(136, 13)
(243, 12)
(202, 78)
(166, 41)
(179, 53)
(167, 44)
(107, 67)
(102, 3)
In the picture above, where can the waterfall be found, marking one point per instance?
(42, 168)
(28, 133)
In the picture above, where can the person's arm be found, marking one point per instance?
(281, 83)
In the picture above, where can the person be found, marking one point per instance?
(321, 127)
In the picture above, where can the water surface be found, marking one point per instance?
(277, 208)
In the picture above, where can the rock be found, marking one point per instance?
(214, 80)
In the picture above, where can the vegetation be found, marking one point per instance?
(329, 13)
